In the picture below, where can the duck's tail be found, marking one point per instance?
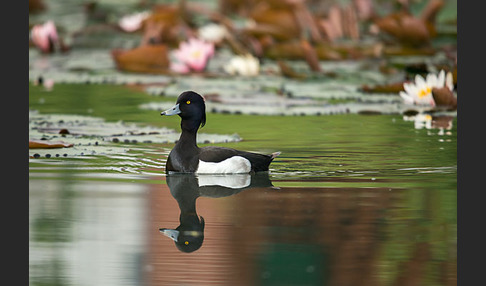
(275, 154)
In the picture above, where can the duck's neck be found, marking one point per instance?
(188, 136)
(188, 206)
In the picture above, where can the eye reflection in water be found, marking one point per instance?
(186, 188)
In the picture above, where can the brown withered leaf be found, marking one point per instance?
(409, 29)
(454, 75)
(442, 121)
(287, 71)
(36, 6)
(331, 26)
(265, 30)
(143, 59)
(364, 9)
(44, 144)
(295, 51)
(384, 88)
(408, 51)
(280, 21)
(310, 56)
(153, 32)
(288, 50)
(166, 24)
(340, 22)
(353, 51)
(444, 97)
(306, 21)
(430, 11)
(350, 23)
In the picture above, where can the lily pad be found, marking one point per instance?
(94, 136)
(94, 66)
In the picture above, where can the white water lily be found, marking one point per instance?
(246, 65)
(423, 121)
(212, 33)
(420, 91)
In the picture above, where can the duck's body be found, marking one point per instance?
(187, 157)
(217, 160)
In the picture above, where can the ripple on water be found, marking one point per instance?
(125, 166)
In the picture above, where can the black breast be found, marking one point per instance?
(182, 160)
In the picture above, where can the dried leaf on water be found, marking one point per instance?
(411, 30)
(384, 88)
(144, 59)
(444, 97)
(287, 71)
(310, 56)
(43, 144)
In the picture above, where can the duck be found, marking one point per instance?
(187, 157)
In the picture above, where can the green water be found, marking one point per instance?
(357, 200)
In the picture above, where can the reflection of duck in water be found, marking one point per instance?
(186, 188)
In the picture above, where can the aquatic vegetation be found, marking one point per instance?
(212, 33)
(428, 121)
(44, 36)
(144, 59)
(245, 65)
(87, 135)
(322, 74)
(411, 30)
(133, 22)
(47, 144)
(342, 22)
(286, 44)
(419, 92)
(192, 55)
(48, 83)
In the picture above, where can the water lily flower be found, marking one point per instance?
(420, 91)
(44, 36)
(133, 22)
(212, 33)
(423, 121)
(179, 67)
(427, 121)
(193, 54)
(246, 65)
(48, 84)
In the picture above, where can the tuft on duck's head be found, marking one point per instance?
(191, 108)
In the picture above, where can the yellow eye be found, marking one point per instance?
(187, 242)
(188, 102)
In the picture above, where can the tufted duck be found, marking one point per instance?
(187, 157)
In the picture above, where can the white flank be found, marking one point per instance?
(232, 165)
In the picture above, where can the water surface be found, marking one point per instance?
(352, 200)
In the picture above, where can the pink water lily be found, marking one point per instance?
(192, 55)
(44, 36)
